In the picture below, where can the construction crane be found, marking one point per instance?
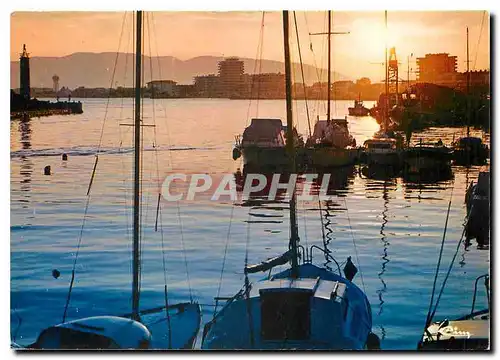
(392, 78)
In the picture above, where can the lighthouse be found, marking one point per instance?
(24, 62)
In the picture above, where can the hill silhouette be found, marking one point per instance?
(96, 69)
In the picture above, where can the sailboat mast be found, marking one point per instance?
(468, 87)
(386, 111)
(137, 167)
(294, 233)
(329, 64)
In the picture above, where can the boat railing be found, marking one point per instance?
(486, 284)
(307, 255)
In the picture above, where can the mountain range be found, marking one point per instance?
(96, 69)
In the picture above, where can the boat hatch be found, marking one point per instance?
(64, 338)
(285, 314)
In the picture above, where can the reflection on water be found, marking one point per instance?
(26, 168)
(396, 221)
(385, 258)
(338, 182)
(428, 177)
(381, 179)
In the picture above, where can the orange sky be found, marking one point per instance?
(190, 34)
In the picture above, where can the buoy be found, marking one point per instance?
(46, 170)
(373, 342)
(56, 273)
(350, 270)
(64, 157)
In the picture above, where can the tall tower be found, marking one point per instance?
(24, 63)
(55, 86)
(231, 72)
(392, 77)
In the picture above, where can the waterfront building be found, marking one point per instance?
(165, 87)
(265, 86)
(231, 72)
(206, 85)
(438, 69)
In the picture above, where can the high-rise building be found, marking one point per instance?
(435, 68)
(231, 76)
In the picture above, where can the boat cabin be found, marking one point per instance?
(99, 332)
(380, 143)
(334, 132)
(469, 142)
(294, 313)
(264, 133)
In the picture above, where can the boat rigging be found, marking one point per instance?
(169, 326)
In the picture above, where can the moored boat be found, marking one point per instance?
(470, 151)
(382, 151)
(331, 145)
(469, 332)
(263, 144)
(427, 156)
(167, 326)
(358, 109)
(478, 209)
(301, 307)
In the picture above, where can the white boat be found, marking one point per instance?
(382, 150)
(302, 307)
(331, 144)
(164, 327)
(333, 133)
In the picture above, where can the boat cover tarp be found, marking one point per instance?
(332, 132)
(268, 132)
(269, 264)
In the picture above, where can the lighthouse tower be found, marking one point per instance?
(24, 62)
(55, 80)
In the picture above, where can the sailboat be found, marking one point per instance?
(168, 326)
(331, 144)
(302, 307)
(469, 150)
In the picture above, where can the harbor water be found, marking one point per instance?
(392, 227)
